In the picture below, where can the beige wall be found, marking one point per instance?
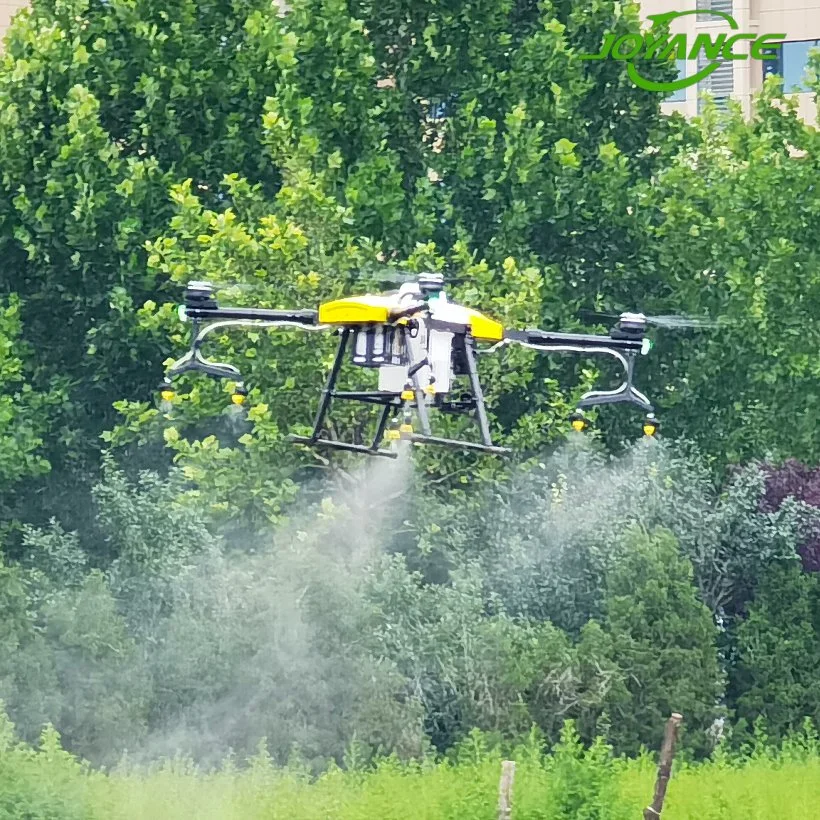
(7, 10)
(797, 19)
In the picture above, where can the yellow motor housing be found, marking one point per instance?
(483, 328)
(357, 310)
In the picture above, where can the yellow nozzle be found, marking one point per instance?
(168, 395)
(406, 426)
(392, 435)
(240, 393)
(407, 395)
(650, 426)
(430, 390)
(578, 421)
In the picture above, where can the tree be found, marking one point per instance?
(105, 104)
(470, 664)
(664, 643)
(380, 178)
(793, 481)
(721, 246)
(21, 408)
(774, 676)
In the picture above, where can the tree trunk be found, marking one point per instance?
(505, 790)
(653, 811)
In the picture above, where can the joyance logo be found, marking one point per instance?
(661, 47)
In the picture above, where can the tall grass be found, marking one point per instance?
(47, 783)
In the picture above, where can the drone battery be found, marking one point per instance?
(377, 346)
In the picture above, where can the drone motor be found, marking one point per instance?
(200, 295)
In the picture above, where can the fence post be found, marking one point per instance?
(653, 811)
(505, 790)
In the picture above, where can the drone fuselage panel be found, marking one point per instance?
(387, 339)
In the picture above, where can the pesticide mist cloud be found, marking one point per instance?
(373, 611)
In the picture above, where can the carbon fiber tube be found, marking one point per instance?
(305, 317)
(548, 338)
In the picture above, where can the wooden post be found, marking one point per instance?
(505, 790)
(664, 767)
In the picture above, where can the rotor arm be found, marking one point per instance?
(623, 347)
(546, 340)
(208, 320)
(308, 318)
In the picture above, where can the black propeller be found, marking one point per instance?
(393, 275)
(668, 321)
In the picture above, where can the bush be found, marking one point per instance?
(774, 676)
(41, 784)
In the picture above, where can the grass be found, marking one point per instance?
(584, 784)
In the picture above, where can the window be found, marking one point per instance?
(790, 62)
(680, 94)
(705, 6)
(720, 83)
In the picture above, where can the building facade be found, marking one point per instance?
(8, 8)
(799, 20)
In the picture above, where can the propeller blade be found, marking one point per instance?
(670, 321)
(385, 278)
(394, 275)
(598, 316)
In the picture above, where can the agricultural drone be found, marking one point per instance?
(422, 345)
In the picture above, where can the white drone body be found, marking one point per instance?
(433, 346)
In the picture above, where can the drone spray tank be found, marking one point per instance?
(429, 348)
(440, 343)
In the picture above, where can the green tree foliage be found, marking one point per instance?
(181, 643)
(321, 128)
(312, 633)
(23, 410)
(724, 245)
(289, 159)
(548, 537)
(778, 649)
(105, 104)
(664, 641)
(69, 661)
(490, 671)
